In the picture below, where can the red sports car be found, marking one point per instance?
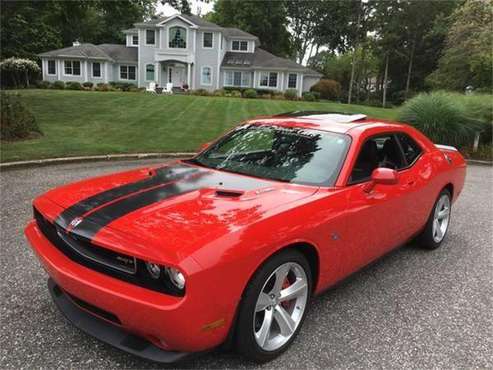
(228, 247)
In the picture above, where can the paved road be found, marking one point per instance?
(412, 309)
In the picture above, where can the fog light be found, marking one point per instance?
(153, 269)
(176, 277)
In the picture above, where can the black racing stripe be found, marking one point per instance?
(162, 176)
(205, 179)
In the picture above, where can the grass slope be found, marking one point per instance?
(90, 123)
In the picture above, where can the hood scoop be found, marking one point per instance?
(224, 193)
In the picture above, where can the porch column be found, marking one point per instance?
(282, 81)
(157, 68)
(254, 78)
(86, 77)
(188, 75)
(106, 72)
(59, 69)
(301, 84)
(193, 76)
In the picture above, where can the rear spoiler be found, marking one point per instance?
(446, 147)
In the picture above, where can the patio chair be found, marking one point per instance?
(151, 88)
(169, 88)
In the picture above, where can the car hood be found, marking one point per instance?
(165, 212)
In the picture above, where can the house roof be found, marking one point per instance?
(81, 51)
(120, 53)
(111, 52)
(263, 59)
(236, 32)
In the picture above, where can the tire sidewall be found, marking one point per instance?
(427, 237)
(245, 339)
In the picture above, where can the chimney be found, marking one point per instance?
(76, 43)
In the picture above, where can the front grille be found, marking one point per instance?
(105, 261)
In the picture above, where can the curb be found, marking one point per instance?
(92, 158)
(479, 162)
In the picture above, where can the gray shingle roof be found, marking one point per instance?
(111, 52)
(263, 59)
(235, 32)
(81, 51)
(120, 53)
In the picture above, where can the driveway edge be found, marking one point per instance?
(92, 158)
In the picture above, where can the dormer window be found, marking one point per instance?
(177, 38)
(238, 45)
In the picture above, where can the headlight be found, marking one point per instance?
(176, 277)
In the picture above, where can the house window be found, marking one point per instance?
(292, 77)
(206, 76)
(239, 45)
(236, 78)
(96, 70)
(268, 79)
(150, 37)
(177, 38)
(208, 39)
(72, 68)
(51, 67)
(150, 72)
(127, 72)
(135, 39)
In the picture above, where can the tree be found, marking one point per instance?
(264, 19)
(183, 6)
(467, 58)
(32, 27)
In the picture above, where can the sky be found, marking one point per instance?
(198, 7)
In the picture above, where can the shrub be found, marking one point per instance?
(18, 72)
(291, 94)
(309, 96)
(250, 94)
(102, 87)
(219, 92)
(43, 84)
(442, 117)
(59, 85)
(328, 89)
(89, 85)
(17, 121)
(236, 94)
(73, 85)
(316, 94)
(200, 92)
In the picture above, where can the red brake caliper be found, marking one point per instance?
(286, 304)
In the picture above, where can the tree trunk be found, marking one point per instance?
(410, 68)
(384, 100)
(27, 79)
(353, 62)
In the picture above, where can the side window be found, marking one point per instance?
(410, 148)
(378, 151)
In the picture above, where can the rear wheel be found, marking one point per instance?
(437, 226)
(274, 306)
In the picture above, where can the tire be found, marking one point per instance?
(431, 237)
(260, 305)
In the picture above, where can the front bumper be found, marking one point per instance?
(174, 324)
(107, 332)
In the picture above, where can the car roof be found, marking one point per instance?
(324, 121)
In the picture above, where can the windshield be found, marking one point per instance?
(293, 155)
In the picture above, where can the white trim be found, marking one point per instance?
(59, 69)
(86, 71)
(218, 62)
(296, 81)
(202, 74)
(132, 39)
(188, 75)
(145, 71)
(203, 36)
(168, 33)
(174, 17)
(48, 67)
(106, 77)
(72, 67)
(145, 39)
(301, 84)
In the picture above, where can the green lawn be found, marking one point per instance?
(89, 123)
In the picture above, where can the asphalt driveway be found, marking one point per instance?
(412, 309)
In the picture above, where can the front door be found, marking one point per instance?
(176, 75)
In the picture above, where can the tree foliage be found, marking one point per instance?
(32, 27)
(264, 19)
(467, 58)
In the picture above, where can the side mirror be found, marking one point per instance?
(204, 147)
(383, 176)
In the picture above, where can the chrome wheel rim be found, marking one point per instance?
(280, 306)
(441, 218)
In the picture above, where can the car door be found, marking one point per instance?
(376, 218)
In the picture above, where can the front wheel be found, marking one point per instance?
(437, 226)
(274, 306)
